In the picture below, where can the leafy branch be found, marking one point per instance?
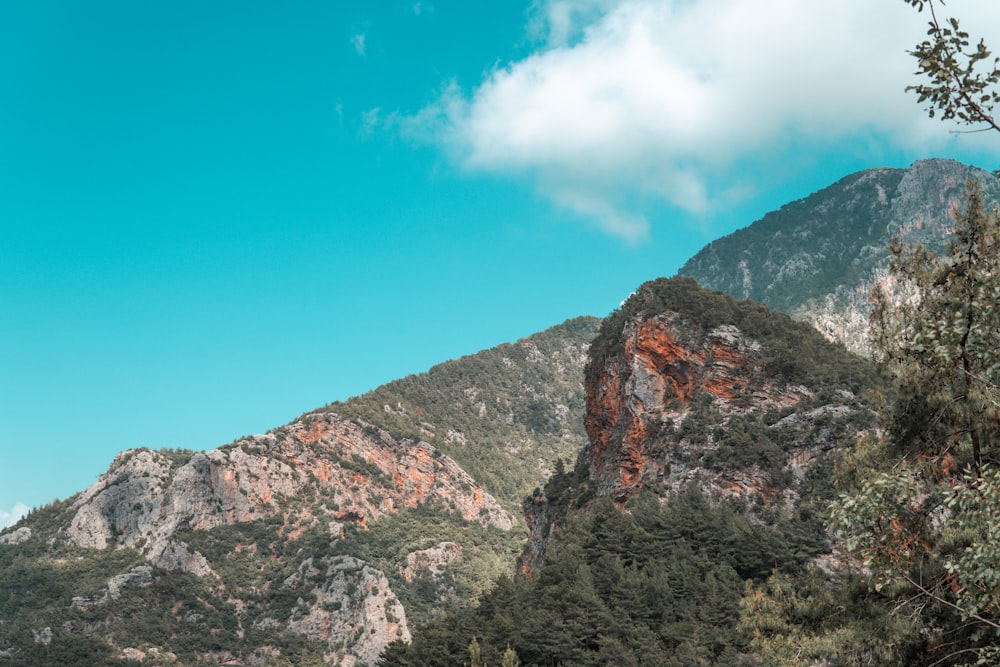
(963, 83)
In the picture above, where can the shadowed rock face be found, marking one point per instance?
(667, 364)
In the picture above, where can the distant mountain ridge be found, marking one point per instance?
(817, 258)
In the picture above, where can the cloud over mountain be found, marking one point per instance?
(633, 103)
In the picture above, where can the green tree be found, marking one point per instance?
(919, 514)
(475, 653)
(926, 531)
(961, 81)
(939, 342)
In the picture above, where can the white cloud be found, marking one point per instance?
(655, 100)
(19, 511)
(358, 42)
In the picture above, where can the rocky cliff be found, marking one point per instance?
(666, 366)
(319, 541)
(316, 475)
(347, 472)
(817, 258)
(686, 386)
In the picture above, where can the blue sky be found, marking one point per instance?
(217, 216)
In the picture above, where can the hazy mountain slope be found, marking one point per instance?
(319, 541)
(817, 258)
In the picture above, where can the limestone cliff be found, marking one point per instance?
(686, 386)
(145, 497)
(319, 541)
(309, 480)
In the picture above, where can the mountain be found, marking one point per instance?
(818, 258)
(668, 454)
(713, 425)
(318, 542)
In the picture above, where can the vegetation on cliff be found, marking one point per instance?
(792, 352)
(505, 414)
(653, 574)
(297, 545)
(918, 506)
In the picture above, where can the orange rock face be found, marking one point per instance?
(664, 367)
(352, 473)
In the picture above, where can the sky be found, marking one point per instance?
(215, 217)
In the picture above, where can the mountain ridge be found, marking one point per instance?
(817, 258)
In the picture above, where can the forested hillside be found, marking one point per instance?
(318, 542)
(714, 427)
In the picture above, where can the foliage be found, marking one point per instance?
(923, 531)
(924, 534)
(497, 413)
(813, 618)
(653, 583)
(487, 554)
(941, 345)
(962, 81)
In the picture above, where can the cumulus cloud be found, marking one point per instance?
(651, 101)
(9, 518)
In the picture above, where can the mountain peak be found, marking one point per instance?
(817, 258)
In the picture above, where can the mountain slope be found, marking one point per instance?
(713, 425)
(817, 258)
(318, 542)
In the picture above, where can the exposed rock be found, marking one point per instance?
(174, 555)
(433, 560)
(543, 519)
(668, 362)
(675, 371)
(354, 610)
(125, 503)
(43, 636)
(243, 517)
(133, 654)
(22, 534)
(354, 473)
(818, 258)
(143, 499)
(137, 577)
